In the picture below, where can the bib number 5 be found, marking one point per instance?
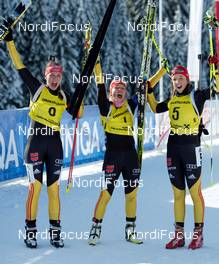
(175, 114)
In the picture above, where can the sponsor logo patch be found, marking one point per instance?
(171, 168)
(36, 171)
(58, 161)
(191, 166)
(37, 163)
(110, 168)
(171, 176)
(169, 161)
(136, 171)
(57, 172)
(192, 177)
(34, 156)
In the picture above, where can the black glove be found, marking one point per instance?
(9, 36)
(7, 24)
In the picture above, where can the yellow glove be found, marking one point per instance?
(98, 72)
(15, 55)
(156, 77)
(152, 102)
(81, 110)
(217, 80)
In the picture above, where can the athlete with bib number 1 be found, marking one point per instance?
(44, 146)
(184, 158)
(117, 116)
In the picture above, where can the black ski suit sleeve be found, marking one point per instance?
(31, 82)
(162, 107)
(133, 103)
(102, 100)
(70, 105)
(201, 96)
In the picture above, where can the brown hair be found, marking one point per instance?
(173, 92)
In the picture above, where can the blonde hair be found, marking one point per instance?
(54, 62)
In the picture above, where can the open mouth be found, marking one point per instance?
(54, 84)
(120, 96)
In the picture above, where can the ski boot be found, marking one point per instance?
(94, 234)
(55, 234)
(197, 239)
(130, 233)
(30, 237)
(178, 240)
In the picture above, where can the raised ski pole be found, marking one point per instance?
(210, 20)
(87, 46)
(90, 63)
(160, 53)
(13, 18)
(145, 71)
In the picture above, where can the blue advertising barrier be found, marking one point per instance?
(90, 146)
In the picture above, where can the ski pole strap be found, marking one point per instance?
(210, 19)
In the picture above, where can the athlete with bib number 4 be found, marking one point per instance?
(184, 157)
(44, 146)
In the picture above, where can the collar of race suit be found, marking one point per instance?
(186, 91)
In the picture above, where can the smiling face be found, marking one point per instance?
(180, 82)
(53, 80)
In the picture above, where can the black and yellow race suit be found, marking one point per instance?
(184, 155)
(120, 156)
(44, 146)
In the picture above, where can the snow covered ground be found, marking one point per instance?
(154, 222)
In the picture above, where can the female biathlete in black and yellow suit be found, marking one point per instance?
(120, 156)
(44, 146)
(184, 157)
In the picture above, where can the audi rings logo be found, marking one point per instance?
(58, 161)
(191, 166)
(136, 171)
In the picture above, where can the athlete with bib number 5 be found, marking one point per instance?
(184, 158)
(44, 146)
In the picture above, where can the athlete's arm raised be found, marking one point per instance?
(32, 83)
(102, 99)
